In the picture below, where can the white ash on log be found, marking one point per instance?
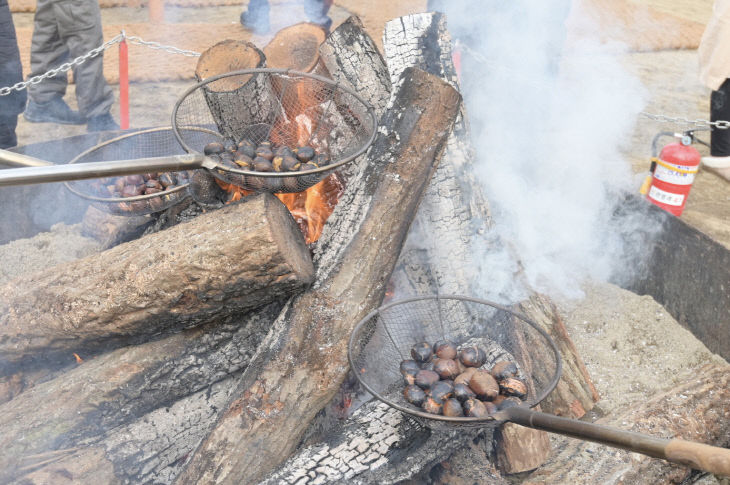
(221, 263)
(695, 410)
(303, 360)
(454, 209)
(80, 407)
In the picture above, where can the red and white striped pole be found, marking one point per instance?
(123, 84)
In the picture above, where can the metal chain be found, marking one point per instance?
(720, 125)
(67, 66)
(156, 45)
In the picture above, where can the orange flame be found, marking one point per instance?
(79, 360)
(312, 207)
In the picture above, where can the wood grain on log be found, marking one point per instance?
(82, 407)
(304, 359)
(296, 47)
(221, 263)
(520, 449)
(696, 410)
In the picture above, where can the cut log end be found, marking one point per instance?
(226, 56)
(286, 235)
(295, 47)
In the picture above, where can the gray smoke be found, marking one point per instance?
(548, 119)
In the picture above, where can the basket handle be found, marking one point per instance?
(79, 171)
(696, 455)
(20, 160)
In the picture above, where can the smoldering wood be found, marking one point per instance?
(694, 410)
(221, 263)
(111, 230)
(454, 210)
(303, 360)
(575, 393)
(352, 59)
(84, 406)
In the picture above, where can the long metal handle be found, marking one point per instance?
(695, 455)
(19, 160)
(80, 171)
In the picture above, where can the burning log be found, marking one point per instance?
(221, 263)
(303, 361)
(297, 47)
(695, 410)
(82, 408)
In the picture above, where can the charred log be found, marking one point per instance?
(219, 264)
(303, 360)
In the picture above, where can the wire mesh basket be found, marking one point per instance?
(279, 130)
(130, 195)
(385, 337)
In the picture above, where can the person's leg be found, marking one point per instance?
(46, 52)
(79, 25)
(256, 16)
(720, 110)
(11, 72)
(316, 11)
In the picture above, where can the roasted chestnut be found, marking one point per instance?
(135, 179)
(409, 369)
(433, 405)
(151, 190)
(262, 165)
(305, 154)
(414, 395)
(465, 376)
(452, 408)
(230, 146)
(132, 190)
(472, 356)
(491, 407)
(513, 387)
(308, 166)
(445, 349)
(283, 151)
(153, 184)
(426, 378)
(474, 408)
(427, 365)
(276, 163)
(321, 160)
(265, 152)
(503, 369)
(243, 161)
(446, 368)
(484, 385)
(246, 150)
(442, 390)
(246, 143)
(265, 143)
(509, 402)
(213, 148)
(421, 352)
(291, 163)
(167, 179)
(462, 392)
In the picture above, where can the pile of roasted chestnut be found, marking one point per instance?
(451, 381)
(135, 185)
(245, 155)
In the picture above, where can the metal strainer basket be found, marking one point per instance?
(285, 108)
(154, 142)
(385, 337)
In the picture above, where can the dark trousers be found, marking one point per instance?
(11, 72)
(720, 110)
(62, 31)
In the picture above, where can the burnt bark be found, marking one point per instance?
(303, 361)
(454, 212)
(222, 263)
(85, 407)
(696, 410)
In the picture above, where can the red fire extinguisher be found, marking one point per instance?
(672, 173)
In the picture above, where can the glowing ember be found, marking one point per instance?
(79, 360)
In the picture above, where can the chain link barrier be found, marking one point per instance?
(720, 125)
(67, 66)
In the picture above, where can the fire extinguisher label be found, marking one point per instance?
(675, 177)
(665, 197)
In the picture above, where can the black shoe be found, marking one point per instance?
(259, 24)
(7, 136)
(54, 111)
(103, 122)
